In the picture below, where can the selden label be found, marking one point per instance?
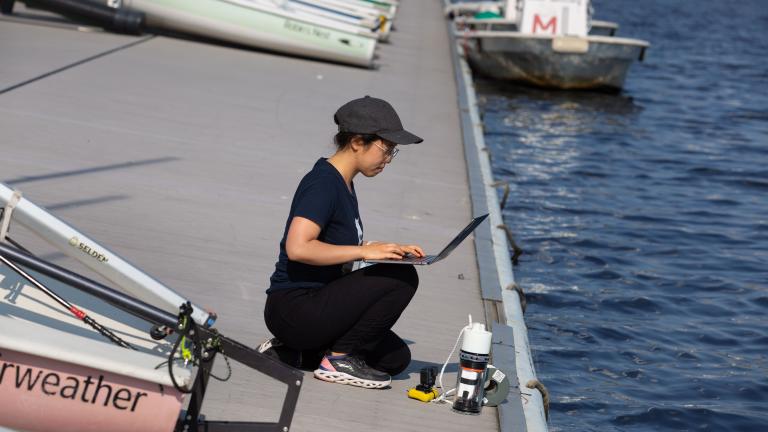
(75, 242)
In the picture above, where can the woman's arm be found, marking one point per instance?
(302, 245)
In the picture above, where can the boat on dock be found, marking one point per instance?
(55, 368)
(374, 20)
(546, 43)
(77, 355)
(263, 24)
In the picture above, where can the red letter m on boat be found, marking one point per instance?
(538, 23)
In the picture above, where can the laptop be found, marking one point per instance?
(431, 259)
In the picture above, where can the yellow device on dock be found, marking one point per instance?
(420, 394)
(425, 391)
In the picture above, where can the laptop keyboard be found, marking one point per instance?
(418, 260)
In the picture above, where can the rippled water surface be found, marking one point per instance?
(644, 218)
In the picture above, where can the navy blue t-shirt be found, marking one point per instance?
(322, 197)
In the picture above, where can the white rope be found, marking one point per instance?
(5, 223)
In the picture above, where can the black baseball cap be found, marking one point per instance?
(369, 115)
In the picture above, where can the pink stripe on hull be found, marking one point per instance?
(39, 394)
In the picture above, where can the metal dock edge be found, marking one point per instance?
(502, 303)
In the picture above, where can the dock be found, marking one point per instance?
(183, 156)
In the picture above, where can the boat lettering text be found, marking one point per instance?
(307, 30)
(75, 242)
(88, 390)
(538, 23)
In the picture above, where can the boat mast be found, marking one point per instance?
(93, 255)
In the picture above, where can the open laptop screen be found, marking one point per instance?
(461, 236)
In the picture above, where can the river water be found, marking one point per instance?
(644, 220)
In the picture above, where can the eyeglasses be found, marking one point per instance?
(390, 152)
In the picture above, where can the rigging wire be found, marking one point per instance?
(78, 313)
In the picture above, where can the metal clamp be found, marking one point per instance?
(5, 222)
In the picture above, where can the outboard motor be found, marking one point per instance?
(114, 19)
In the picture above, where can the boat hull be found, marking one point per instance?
(39, 394)
(236, 22)
(601, 63)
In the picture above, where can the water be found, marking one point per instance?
(644, 217)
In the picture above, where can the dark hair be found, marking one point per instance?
(342, 139)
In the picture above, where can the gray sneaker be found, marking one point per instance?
(351, 370)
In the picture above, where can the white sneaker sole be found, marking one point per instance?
(345, 378)
(265, 346)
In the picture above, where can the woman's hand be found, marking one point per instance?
(380, 250)
(414, 250)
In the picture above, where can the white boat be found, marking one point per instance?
(549, 43)
(366, 18)
(596, 28)
(465, 9)
(78, 356)
(388, 8)
(274, 25)
(353, 7)
(50, 363)
(259, 25)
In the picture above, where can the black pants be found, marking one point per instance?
(353, 314)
